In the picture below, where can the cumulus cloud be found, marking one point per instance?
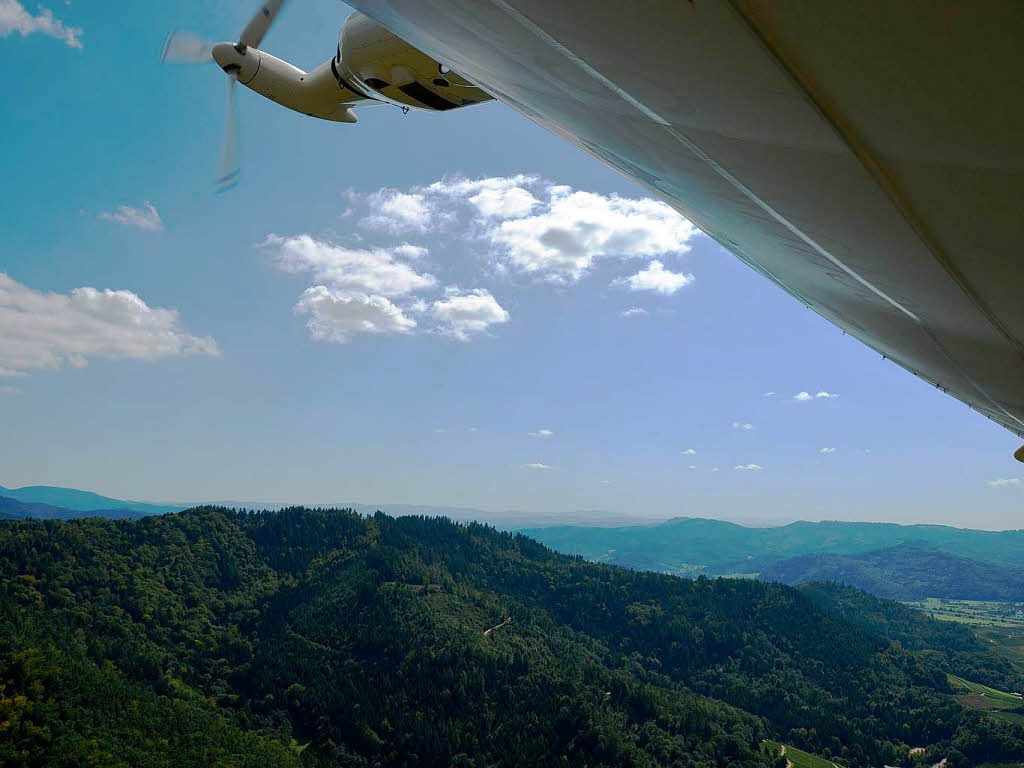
(395, 212)
(377, 271)
(574, 229)
(827, 450)
(748, 468)
(542, 433)
(804, 397)
(145, 219)
(14, 18)
(45, 331)
(336, 315)
(689, 452)
(493, 198)
(742, 426)
(465, 314)
(633, 312)
(656, 279)
(538, 465)
(1005, 482)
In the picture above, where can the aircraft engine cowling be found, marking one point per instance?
(381, 65)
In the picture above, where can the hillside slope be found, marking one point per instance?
(905, 573)
(324, 638)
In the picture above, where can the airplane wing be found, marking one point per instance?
(867, 157)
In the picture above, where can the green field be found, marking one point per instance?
(990, 613)
(998, 704)
(801, 759)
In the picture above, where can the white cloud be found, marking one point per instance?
(742, 426)
(689, 452)
(336, 315)
(715, 469)
(633, 312)
(395, 211)
(371, 271)
(827, 450)
(693, 466)
(538, 465)
(1005, 482)
(606, 482)
(804, 397)
(542, 433)
(495, 197)
(463, 314)
(748, 468)
(14, 18)
(572, 229)
(769, 394)
(657, 279)
(146, 219)
(49, 330)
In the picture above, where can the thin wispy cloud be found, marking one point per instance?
(689, 452)
(692, 466)
(15, 19)
(542, 433)
(144, 219)
(748, 468)
(47, 331)
(633, 312)
(539, 466)
(1005, 482)
(768, 394)
(827, 450)
(742, 426)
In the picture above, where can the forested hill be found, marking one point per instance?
(906, 573)
(322, 638)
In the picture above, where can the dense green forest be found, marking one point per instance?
(693, 546)
(323, 638)
(905, 573)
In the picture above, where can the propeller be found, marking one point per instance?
(186, 47)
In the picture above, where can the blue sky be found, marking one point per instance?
(507, 370)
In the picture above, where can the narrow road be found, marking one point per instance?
(487, 632)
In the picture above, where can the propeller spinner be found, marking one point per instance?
(237, 61)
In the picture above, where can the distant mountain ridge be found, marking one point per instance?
(693, 546)
(12, 509)
(81, 501)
